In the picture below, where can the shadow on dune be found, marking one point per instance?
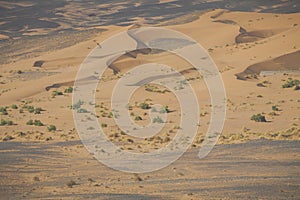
(287, 62)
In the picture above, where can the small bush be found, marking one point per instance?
(71, 183)
(9, 123)
(130, 140)
(3, 111)
(77, 105)
(158, 120)
(56, 93)
(103, 125)
(51, 128)
(144, 106)
(3, 122)
(164, 109)
(30, 122)
(69, 90)
(297, 87)
(110, 115)
(138, 118)
(14, 106)
(82, 110)
(8, 137)
(275, 108)
(21, 111)
(38, 123)
(273, 114)
(30, 109)
(258, 118)
(37, 110)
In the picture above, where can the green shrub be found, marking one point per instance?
(14, 106)
(38, 123)
(164, 109)
(3, 122)
(144, 106)
(77, 105)
(9, 123)
(275, 108)
(3, 111)
(37, 110)
(30, 109)
(6, 122)
(35, 122)
(30, 122)
(82, 110)
(51, 128)
(103, 125)
(21, 111)
(56, 93)
(110, 115)
(158, 120)
(69, 90)
(138, 118)
(291, 83)
(258, 118)
(297, 87)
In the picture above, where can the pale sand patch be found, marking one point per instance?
(3, 37)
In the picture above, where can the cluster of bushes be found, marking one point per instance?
(59, 93)
(292, 83)
(106, 114)
(258, 118)
(69, 90)
(31, 109)
(35, 123)
(77, 105)
(6, 122)
(50, 128)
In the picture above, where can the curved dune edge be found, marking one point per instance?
(285, 62)
(253, 36)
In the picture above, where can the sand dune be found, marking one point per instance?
(242, 44)
(253, 36)
(282, 63)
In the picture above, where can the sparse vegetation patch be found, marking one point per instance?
(291, 83)
(258, 118)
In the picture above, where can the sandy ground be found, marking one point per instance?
(235, 40)
(256, 170)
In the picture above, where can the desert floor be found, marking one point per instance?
(251, 160)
